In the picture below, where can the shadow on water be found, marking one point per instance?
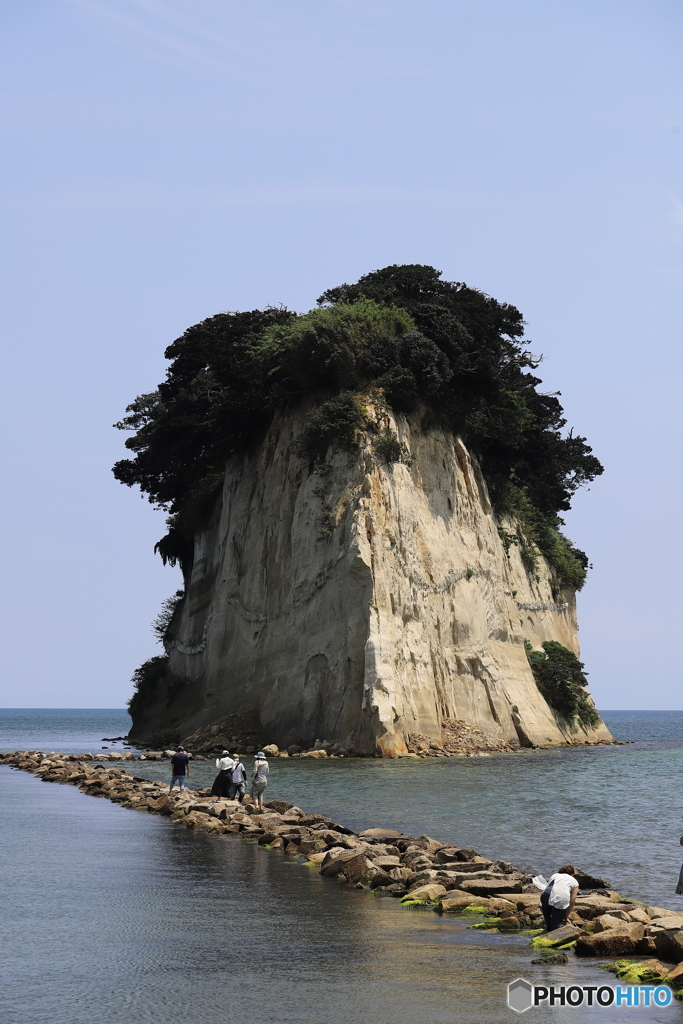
(114, 915)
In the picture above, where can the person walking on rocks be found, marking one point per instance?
(221, 784)
(259, 779)
(180, 768)
(238, 780)
(558, 897)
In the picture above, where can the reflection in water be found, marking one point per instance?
(115, 915)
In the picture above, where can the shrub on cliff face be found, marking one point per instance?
(338, 420)
(165, 616)
(388, 448)
(568, 565)
(144, 680)
(401, 330)
(561, 679)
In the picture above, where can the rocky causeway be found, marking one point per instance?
(643, 943)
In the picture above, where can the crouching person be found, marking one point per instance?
(558, 897)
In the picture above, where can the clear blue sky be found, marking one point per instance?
(164, 161)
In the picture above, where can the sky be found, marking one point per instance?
(165, 160)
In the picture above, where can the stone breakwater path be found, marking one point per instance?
(419, 871)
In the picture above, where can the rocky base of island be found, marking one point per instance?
(421, 872)
(244, 734)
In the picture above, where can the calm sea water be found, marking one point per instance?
(113, 915)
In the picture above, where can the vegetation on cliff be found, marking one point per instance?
(561, 679)
(400, 333)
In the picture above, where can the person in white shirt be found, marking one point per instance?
(559, 896)
(221, 784)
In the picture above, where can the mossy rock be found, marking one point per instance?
(490, 922)
(474, 909)
(542, 942)
(429, 904)
(510, 924)
(554, 959)
(633, 972)
(532, 931)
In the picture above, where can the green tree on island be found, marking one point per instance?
(402, 333)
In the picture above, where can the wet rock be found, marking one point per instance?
(386, 862)
(606, 922)
(674, 977)
(160, 805)
(655, 912)
(425, 877)
(555, 959)
(400, 874)
(196, 819)
(427, 892)
(312, 846)
(663, 924)
(558, 937)
(524, 901)
(587, 881)
(431, 845)
(447, 854)
(358, 868)
(501, 906)
(669, 945)
(381, 880)
(487, 887)
(621, 941)
(280, 806)
(381, 834)
(511, 923)
(332, 866)
(453, 902)
(471, 866)
(316, 857)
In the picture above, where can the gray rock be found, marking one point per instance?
(359, 869)
(669, 945)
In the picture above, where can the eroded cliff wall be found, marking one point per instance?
(364, 603)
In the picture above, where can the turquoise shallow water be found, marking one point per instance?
(114, 915)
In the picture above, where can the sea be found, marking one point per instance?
(111, 915)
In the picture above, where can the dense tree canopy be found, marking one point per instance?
(420, 340)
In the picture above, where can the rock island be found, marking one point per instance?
(365, 501)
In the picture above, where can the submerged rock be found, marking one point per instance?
(555, 959)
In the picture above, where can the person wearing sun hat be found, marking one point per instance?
(259, 779)
(221, 784)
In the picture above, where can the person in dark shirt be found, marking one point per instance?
(180, 767)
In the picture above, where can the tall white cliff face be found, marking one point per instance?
(368, 604)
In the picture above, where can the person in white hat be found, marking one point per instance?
(221, 784)
(259, 779)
